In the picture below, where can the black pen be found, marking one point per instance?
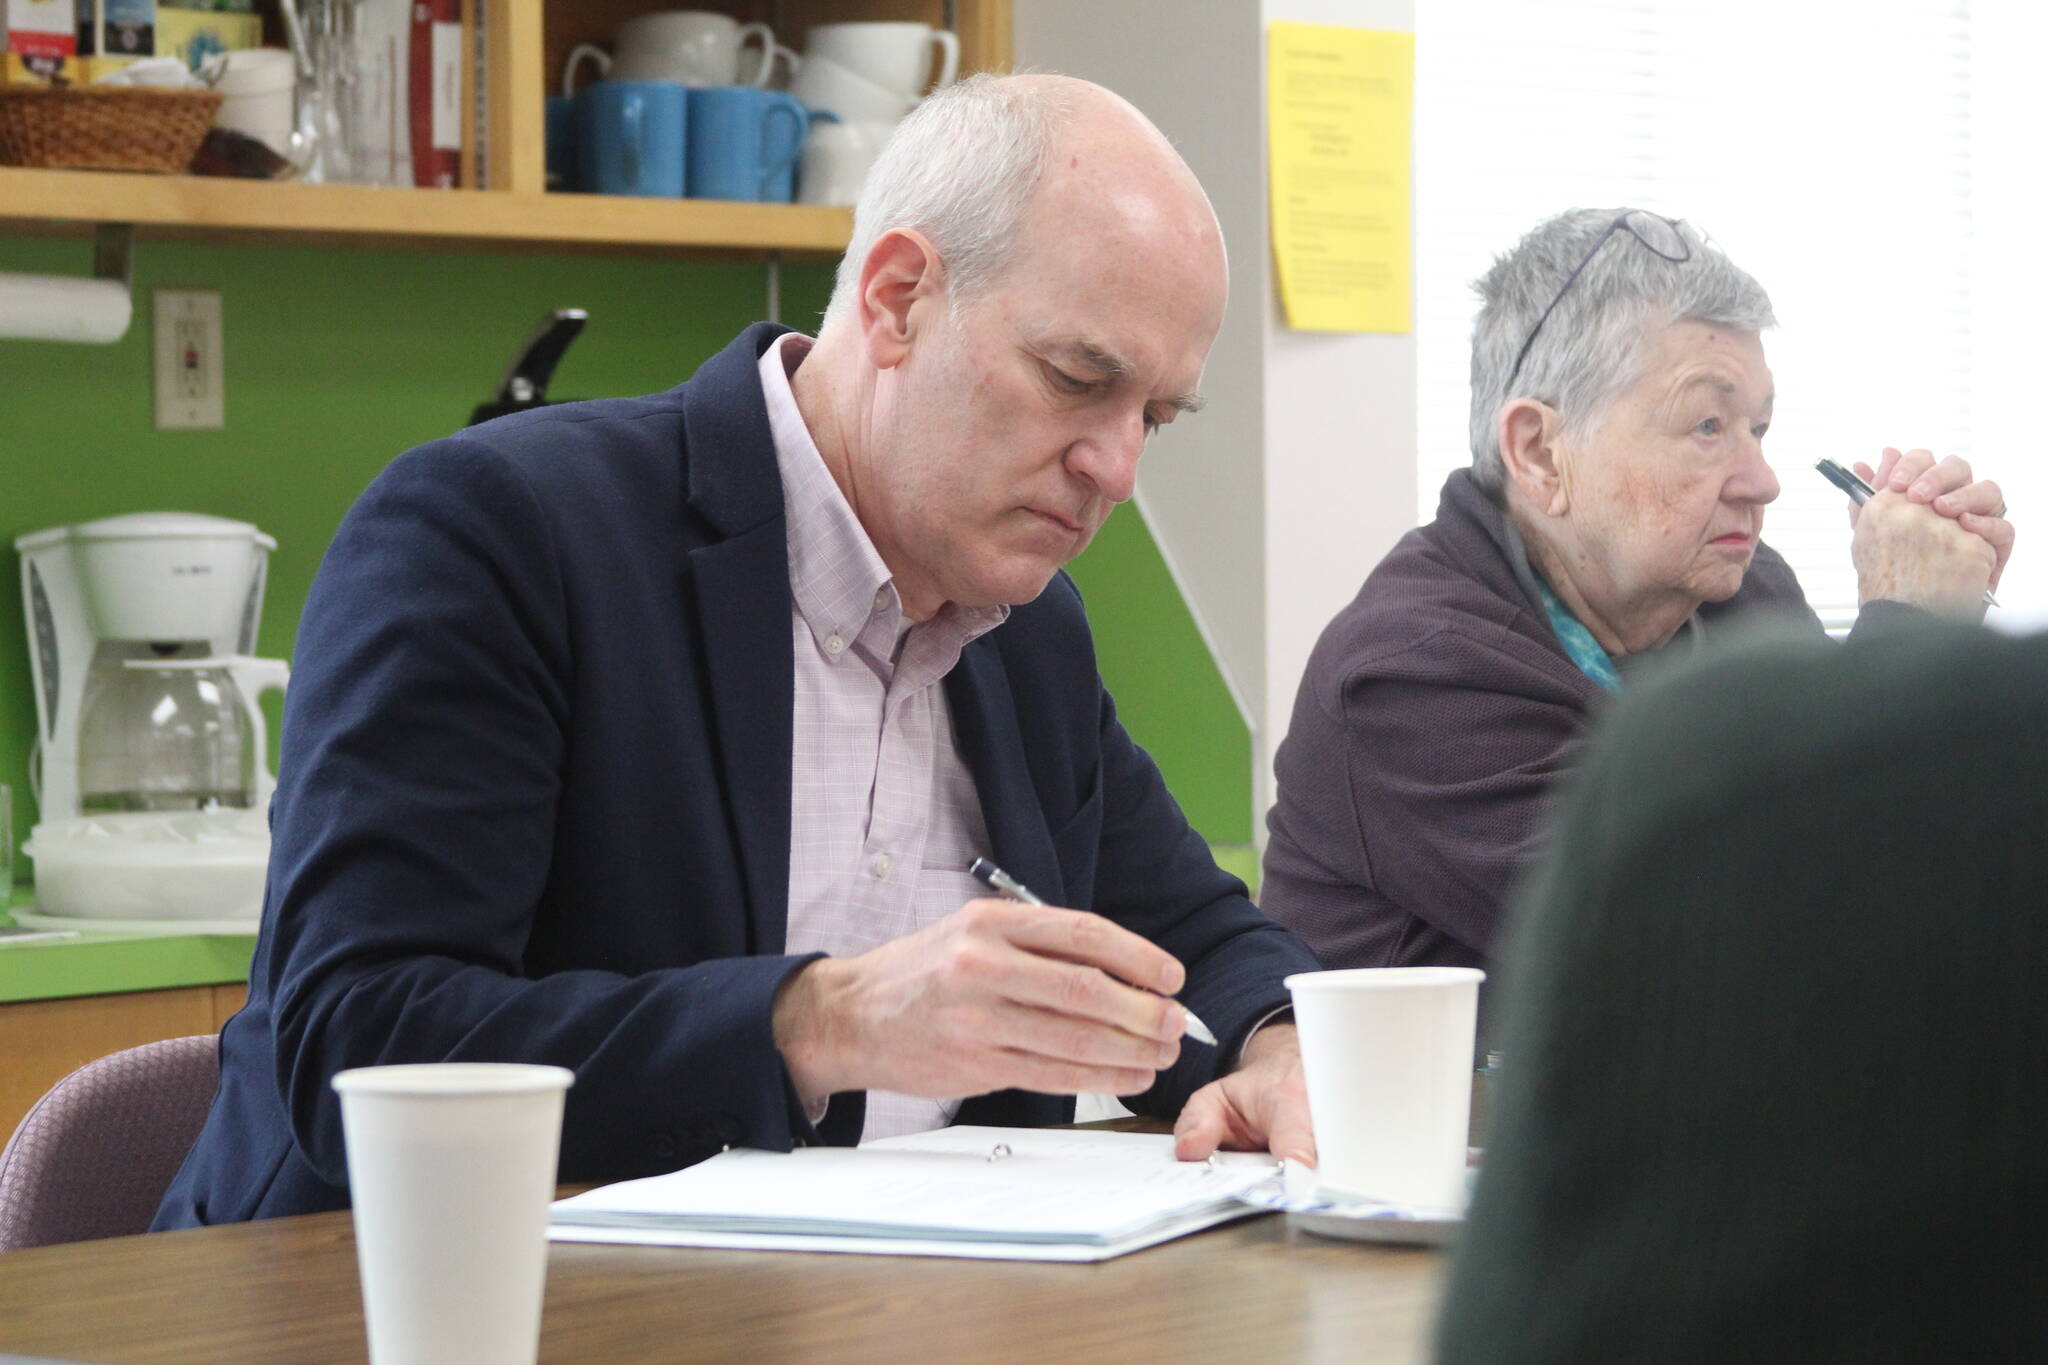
(993, 877)
(1860, 492)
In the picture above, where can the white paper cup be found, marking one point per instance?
(1387, 1054)
(451, 1167)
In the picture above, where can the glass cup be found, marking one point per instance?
(6, 845)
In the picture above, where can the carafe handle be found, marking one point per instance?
(253, 677)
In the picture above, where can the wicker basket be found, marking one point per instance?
(103, 127)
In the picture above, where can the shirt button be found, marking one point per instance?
(882, 600)
(834, 644)
(882, 866)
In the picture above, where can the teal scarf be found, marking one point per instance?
(1578, 641)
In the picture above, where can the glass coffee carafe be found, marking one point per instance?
(178, 734)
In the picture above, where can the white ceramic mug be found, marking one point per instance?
(825, 85)
(836, 158)
(692, 47)
(1387, 1055)
(895, 56)
(258, 84)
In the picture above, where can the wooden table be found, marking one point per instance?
(286, 1291)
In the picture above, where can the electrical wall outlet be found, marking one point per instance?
(190, 391)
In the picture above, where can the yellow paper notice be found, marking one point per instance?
(1339, 108)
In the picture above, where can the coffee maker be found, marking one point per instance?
(124, 613)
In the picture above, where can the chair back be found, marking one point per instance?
(95, 1155)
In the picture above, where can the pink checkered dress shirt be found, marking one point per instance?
(884, 817)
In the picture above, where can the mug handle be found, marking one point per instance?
(790, 107)
(577, 55)
(767, 37)
(949, 59)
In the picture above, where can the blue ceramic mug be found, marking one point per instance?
(561, 130)
(629, 138)
(744, 143)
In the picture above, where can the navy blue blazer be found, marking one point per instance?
(535, 799)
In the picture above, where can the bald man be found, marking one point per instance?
(652, 738)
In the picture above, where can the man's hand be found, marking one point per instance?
(1977, 505)
(994, 996)
(1262, 1104)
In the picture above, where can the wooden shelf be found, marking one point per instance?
(529, 39)
(183, 207)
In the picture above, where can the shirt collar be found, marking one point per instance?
(837, 580)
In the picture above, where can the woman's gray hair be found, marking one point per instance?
(1590, 347)
(960, 169)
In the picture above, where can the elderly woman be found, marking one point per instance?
(1611, 514)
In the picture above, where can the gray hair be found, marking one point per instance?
(961, 169)
(1589, 349)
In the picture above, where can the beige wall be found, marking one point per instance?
(1273, 504)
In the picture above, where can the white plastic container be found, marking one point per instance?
(183, 865)
(258, 83)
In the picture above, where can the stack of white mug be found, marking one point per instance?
(866, 77)
(682, 107)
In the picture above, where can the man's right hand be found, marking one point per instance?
(996, 995)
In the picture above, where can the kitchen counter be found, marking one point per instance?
(98, 963)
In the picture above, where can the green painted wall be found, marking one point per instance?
(338, 360)
(1169, 692)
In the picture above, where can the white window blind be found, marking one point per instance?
(1826, 146)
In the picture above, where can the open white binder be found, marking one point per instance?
(1005, 1193)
